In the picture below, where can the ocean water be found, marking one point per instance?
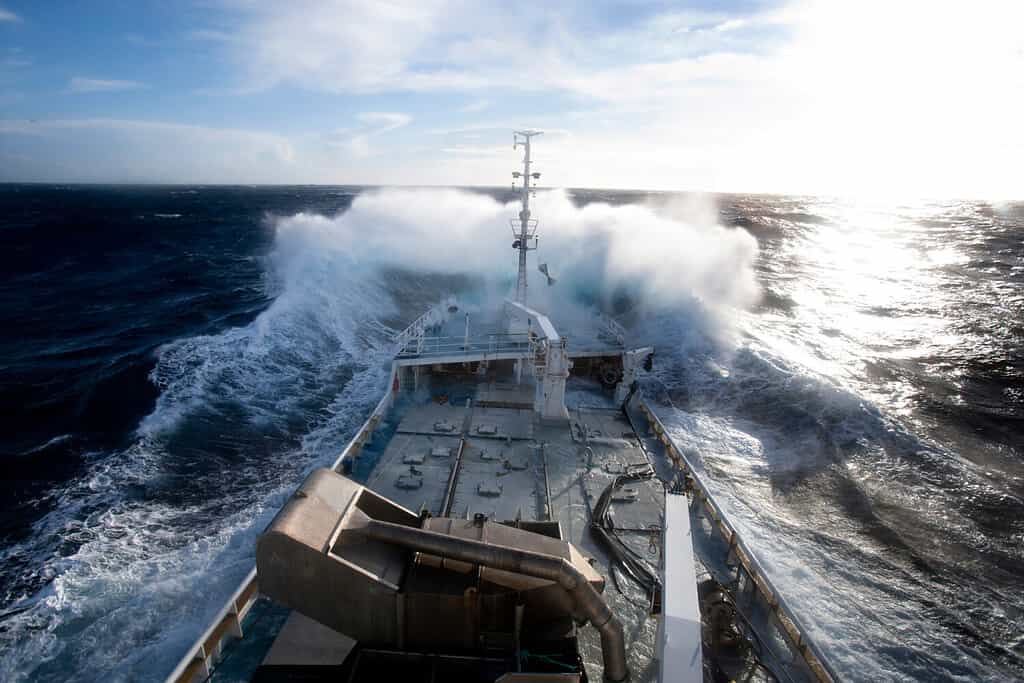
(849, 375)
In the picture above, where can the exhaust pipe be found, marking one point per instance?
(540, 565)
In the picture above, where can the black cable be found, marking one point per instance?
(603, 528)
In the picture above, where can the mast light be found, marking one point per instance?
(526, 230)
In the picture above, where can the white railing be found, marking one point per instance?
(434, 316)
(365, 433)
(204, 655)
(492, 344)
(613, 328)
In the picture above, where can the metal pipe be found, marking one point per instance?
(547, 484)
(453, 478)
(540, 565)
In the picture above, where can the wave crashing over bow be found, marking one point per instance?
(663, 253)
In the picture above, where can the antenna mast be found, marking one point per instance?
(525, 232)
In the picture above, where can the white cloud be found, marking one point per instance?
(431, 45)
(807, 97)
(90, 85)
(730, 25)
(7, 15)
(384, 121)
(475, 107)
(496, 151)
(145, 151)
(811, 96)
(375, 124)
(212, 35)
(456, 45)
(340, 46)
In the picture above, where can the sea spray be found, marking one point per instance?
(663, 255)
(124, 559)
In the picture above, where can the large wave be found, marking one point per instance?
(899, 550)
(139, 552)
(872, 534)
(886, 542)
(663, 253)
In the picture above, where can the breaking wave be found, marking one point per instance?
(897, 542)
(662, 254)
(138, 552)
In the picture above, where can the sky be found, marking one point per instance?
(897, 98)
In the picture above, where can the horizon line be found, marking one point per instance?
(822, 195)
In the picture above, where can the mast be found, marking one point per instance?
(526, 237)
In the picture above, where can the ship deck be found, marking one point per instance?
(447, 440)
(503, 463)
(485, 455)
(459, 461)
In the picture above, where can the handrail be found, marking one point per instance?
(777, 604)
(487, 344)
(493, 343)
(478, 340)
(198, 662)
(432, 316)
(356, 443)
(614, 327)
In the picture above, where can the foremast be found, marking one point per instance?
(525, 232)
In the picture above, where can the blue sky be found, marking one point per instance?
(816, 97)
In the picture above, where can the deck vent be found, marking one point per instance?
(626, 495)
(444, 426)
(517, 464)
(414, 458)
(409, 482)
(487, 429)
(489, 489)
(440, 452)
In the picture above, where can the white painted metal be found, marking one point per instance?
(199, 661)
(550, 359)
(527, 228)
(679, 635)
(614, 329)
(417, 330)
(632, 360)
(777, 604)
(492, 347)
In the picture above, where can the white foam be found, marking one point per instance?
(815, 485)
(667, 254)
(155, 537)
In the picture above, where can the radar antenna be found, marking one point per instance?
(525, 232)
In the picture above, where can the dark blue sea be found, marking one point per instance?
(848, 374)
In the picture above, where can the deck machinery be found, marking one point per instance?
(513, 510)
